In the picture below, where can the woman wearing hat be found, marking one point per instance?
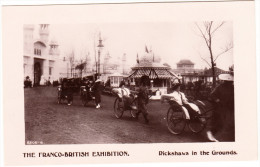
(181, 99)
(223, 96)
(187, 107)
(97, 88)
(125, 93)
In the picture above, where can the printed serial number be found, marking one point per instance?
(34, 142)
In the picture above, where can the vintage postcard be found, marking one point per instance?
(122, 83)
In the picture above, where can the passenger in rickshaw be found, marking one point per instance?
(66, 91)
(180, 98)
(188, 108)
(87, 85)
(125, 94)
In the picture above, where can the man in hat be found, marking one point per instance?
(142, 99)
(223, 96)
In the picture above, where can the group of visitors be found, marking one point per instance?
(96, 87)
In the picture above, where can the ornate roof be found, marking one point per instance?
(185, 61)
(148, 64)
(153, 73)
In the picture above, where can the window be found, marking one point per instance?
(116, 80)
(37, 52)
(24, 69)
(50, 70)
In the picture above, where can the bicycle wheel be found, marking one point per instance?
(118, 108)
(195, 125)
(176, 121)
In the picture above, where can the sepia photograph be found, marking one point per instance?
(129, 83)
(124, 83)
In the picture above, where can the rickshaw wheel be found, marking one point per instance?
(176, 121)
(195, 125)
(59, 98)
(133, 113)
(118, 108)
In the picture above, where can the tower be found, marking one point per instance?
(44, 32)
(28, 50)
(54, 48)
(28, 39)
(123, 63)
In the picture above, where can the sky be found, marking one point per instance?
(172, 41)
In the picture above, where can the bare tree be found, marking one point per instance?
(81, 66)
(71, 57)
(207, 32)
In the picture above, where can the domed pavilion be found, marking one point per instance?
(160, 75)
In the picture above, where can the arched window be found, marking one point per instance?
(37, 52)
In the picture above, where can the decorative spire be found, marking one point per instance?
(137, 59)
(146, 49)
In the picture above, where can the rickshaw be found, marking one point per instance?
(86, 95)
(120, 107)
(177, 119)
(66, 90)
(64, 96)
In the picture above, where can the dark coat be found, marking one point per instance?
(143, 95)
(97, 89)
(224, 115)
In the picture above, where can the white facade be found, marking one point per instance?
(41, 56)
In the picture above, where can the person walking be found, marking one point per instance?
(223, 96)
(97, 89)
(143, 98)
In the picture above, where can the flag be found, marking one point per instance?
(137, 59)
(146, 49)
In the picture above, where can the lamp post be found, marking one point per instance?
(100, 47)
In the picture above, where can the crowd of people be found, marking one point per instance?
(222, 97)
(71, 86)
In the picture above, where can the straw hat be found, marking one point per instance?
(226, 77)
(98, 80)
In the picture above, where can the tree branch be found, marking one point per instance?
(229, 47)
(203, 59)
(217, 27)
(203, 35)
